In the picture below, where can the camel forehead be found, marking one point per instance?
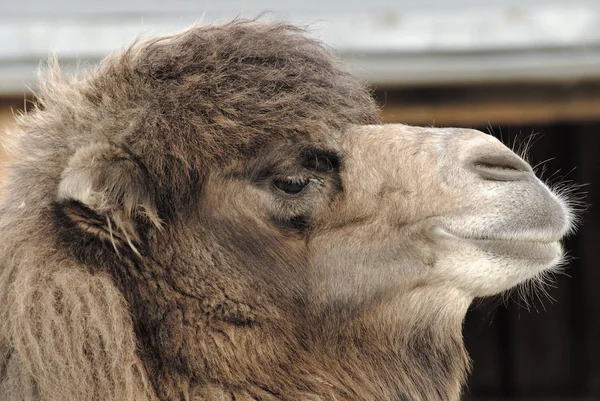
(362, 140)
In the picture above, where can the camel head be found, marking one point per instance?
(219, 214)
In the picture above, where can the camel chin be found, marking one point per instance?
(485, 267)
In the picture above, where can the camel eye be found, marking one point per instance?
(290, 185)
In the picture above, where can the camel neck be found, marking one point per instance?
(399, 347)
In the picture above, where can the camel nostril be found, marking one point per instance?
(502, 168)
(486, 165)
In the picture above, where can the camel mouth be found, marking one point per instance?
(512, 237)
(541, 250)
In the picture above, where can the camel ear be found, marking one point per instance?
(106, 191)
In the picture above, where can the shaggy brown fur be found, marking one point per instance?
(135, 266)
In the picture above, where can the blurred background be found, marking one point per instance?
(511, 68)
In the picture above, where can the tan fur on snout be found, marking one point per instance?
(216, 215)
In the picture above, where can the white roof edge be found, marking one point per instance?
(485, 42)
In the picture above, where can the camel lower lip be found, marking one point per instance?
(524, 250)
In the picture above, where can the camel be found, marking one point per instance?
(219, 214)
